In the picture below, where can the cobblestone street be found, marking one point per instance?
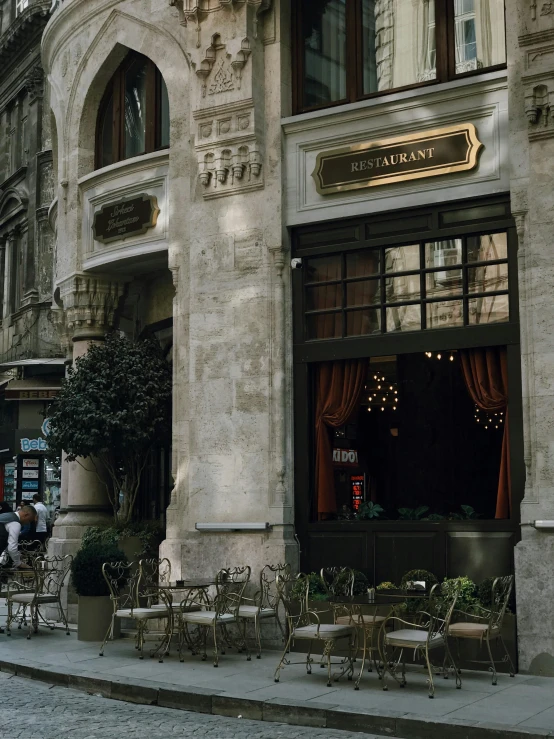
(32, 710)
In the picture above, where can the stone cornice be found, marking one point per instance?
(26, 24)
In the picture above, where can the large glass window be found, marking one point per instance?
(427, 285)
(350, 49)
(134, 114)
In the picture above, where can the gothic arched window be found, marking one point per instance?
(134, 113)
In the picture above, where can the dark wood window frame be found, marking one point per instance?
(431, 223)
(445, 56)
(116, 91)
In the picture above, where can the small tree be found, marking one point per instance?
(113, 408)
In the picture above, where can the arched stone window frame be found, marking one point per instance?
(156, 131)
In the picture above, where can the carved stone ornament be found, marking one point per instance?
(229, 156)
(89, 303)
(34, 82)
(195, 11)
(228, 71)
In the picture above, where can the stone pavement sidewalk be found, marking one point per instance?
(517, 708)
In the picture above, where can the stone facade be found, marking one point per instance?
(235, 177)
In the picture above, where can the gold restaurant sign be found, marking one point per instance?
(126, 217)
(426, 154)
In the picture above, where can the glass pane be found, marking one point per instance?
(402, 258)
(327, 296)
(404, 318)
(479, 34)
(487, 278)
(362, 263)
(324, 35)
(444, 282)
(491, 309)
(399, 45)
(486, 248)
(363, 322)
(322, 269)
(445, 253)
(406, 287)
(365, 292)
(164, 115)
(106, 134)
(445, 314)
(324, 326)
(135, 109)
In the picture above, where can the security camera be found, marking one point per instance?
(296, 263)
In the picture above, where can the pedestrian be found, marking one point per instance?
(10, 528)
(41, 531)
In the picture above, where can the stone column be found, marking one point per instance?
(530, 29)
(89, 307)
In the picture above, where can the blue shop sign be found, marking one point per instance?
(29, 484)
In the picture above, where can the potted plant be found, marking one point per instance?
(95, 606)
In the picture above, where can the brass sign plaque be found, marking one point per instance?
(126, 217)
(426, 154)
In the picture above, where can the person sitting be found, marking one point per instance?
(10, 529)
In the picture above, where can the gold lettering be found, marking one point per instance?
(355, 167)
(421, 154)
(385, 162)
(394, 158)
(370, 163)
(412, 157)
(403, 158)
(430, 153)
(377, 164)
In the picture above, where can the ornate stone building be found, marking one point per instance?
(29, 343)
(337, 217)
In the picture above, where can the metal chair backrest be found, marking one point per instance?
(154, 574)
(30, 551)
(268, 595)
(51, 573)
(122, 579)
(440, 607)
(294, 593)
(338, 581)
(501, 591)
(230, 584)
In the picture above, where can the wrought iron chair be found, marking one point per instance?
(485, 625)
(137, 601)
(305, 624)
(427, 632)
(265, 603)
(49, 575)
(217, 615)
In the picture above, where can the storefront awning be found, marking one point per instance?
(34, 388)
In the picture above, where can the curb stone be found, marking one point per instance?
(204, 700)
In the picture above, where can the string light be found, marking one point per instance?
(439, 355)
(488, 419)
(383, 394)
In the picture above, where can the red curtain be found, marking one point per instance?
(486, 375)
(338, 386)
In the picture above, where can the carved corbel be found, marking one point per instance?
(240, 61)
(90, 303)
(180, 5)
(537, 105)
(255, 162)
(261, 6)
(206, 166)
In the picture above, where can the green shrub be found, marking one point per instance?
(316, 588)
(467, 596)
(387, 585)
(149, 533)
(86, 568)
(369, 510)
(484, 592)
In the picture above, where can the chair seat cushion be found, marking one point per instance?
(176, 607)
(469, 630)
(366, 621)
(326, 631)
(251, 611)
(205, 618)
(141, 614)
(412, 638)
(32, 598)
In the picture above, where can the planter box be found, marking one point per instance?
(94, 618)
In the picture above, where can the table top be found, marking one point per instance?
(187, 584)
